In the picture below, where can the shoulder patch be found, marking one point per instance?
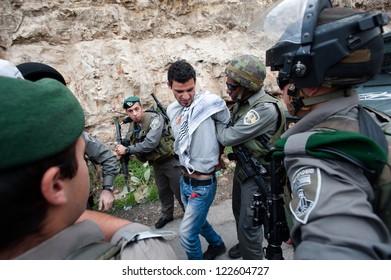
(305, 193)
(251, 117)
(155, 124)
(88, 137)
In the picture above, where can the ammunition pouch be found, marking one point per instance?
(246, 170)
(244, 173)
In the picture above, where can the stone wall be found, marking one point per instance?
(108, 50)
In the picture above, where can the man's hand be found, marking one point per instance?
(106, 200)
(221, 164)
(120, 150)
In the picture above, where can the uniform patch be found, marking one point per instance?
(251, 117)
(155, 124)
(89, 137)
(305, 193)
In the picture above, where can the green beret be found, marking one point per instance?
(342, 145)
(37, 120)
(130, 101)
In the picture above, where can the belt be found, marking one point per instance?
(198, 182)
(196, 172)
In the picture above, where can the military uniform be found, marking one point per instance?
(257, 116)
(150, 141)
(98, 153)
(84, 241)
(338, 188)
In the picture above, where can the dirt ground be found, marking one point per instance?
(149, 213)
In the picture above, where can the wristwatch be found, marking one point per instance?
(108, 187)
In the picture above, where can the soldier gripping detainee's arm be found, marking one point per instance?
(256, 117)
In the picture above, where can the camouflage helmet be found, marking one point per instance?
(247, 70)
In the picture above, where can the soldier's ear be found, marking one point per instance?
(52, 187)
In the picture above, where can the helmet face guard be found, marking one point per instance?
(308, 60)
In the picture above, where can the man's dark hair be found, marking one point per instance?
(180, 71)
(22, 204)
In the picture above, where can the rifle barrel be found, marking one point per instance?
(161, 108)
(124, 165)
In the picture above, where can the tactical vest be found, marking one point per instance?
(254, 146)
(164, 150)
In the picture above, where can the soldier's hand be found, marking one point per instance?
(120, 150)
(106, 200)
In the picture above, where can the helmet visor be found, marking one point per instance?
(282, 27)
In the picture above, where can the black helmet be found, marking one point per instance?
(325, 45)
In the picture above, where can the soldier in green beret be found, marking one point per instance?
(96, 151)
(256, 117)
(42, 164)
(150, 139)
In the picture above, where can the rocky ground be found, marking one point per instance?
(149, 213)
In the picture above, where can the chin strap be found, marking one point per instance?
(326, 97)
(240, 95)
(298, 102)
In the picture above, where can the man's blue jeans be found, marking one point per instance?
(197, 201)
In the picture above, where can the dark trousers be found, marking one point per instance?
(167, 175)
(250, 238)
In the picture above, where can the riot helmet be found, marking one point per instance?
(323, 45)
(248, 71)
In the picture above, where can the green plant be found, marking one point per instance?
(127, 201)
(141, 180)
(228, 150)
(152, 194)
(141, 184)
(229, 165)
(119, 181)
(95, 175)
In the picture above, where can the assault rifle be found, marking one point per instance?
(123, 160)
(161, 109)
(275, 227)
(268, 203)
